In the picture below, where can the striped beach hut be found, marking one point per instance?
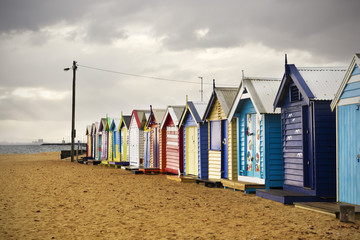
(104, 139)
(110, 146)
(100, 139)
(171, 141)
(259, 145)
(136, 138)
(153, 123)
(347, 105)
(221, 134)
(195, 146)
(88, 141)
(124, 137)
(308, 134)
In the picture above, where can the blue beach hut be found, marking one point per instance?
(195, 137)
(347, 105)
(259, 145)
(308, 134)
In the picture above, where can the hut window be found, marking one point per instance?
(295, 95)
(215, 135)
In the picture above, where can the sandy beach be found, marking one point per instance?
(43, 197)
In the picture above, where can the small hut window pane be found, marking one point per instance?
(215, 135)
(294, 94)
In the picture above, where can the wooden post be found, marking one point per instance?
(347, 213)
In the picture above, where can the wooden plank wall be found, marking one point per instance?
(232, 150)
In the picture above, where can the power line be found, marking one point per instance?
(142, 76)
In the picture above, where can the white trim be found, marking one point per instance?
(251, 179)
(349, 101)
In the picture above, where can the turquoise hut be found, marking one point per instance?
(347, 105)
(259, 145)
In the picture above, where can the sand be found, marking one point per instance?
(43, 197)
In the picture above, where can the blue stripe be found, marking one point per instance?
(351, 90)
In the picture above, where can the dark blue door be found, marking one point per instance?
(308, 151)
(224, 149)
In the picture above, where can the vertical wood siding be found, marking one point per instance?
(124, 144)
(273, 151)
(232, 150)
(349, 148)
(292, 139)
(134, 147)
(325, 149)
(203, 151)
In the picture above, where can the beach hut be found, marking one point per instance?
(221, 135)
(88, 141)
(153, 123)
(308, 134)
(103, 140)
(195, 146)
(115, 138)
(136, 138)
(100, 141)
(93, 139)
(124, 137)
(347, 105)
(259, 145)
(171, 141)
(146, 144)
(110, 142)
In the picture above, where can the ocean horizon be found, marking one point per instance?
(33, 148)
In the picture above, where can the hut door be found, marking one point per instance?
(99, 147)
(134, 146)
(147, 149)
(156, 147)
(224, 149)
(308, 151)
(172, 148)
(191, 151)
(250, 145)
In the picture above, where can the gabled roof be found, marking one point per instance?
(88, 130)
(156, 116)
(196, 109)
(102, 126)
(225, 95)
(93, 128)
(115, 124)
(124, 121)
(139, 116)
(355, 63)
(320, 83)
(262, 92)
(175, 113)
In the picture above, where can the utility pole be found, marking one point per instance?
(201, 89)
(73, 131)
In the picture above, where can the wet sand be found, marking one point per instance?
(43, 197)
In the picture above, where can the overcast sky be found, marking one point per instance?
(177, 40)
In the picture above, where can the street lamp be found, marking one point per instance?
(73, 131)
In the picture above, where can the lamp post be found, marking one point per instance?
(73, 131)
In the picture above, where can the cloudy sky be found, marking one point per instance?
(175, 40)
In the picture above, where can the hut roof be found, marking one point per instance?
(354, 66)
(261, 91)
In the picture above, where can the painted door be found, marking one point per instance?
(349, 153)
(224, 149)
(104, 145)
(147, 150)
(156, 147)
(134, 146)
(110, 146)
(307, 147)
(191, 151)
(124, 144)
(172, 148)
(99, 147)
(250, 144)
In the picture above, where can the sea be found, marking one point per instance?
(26, 149)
